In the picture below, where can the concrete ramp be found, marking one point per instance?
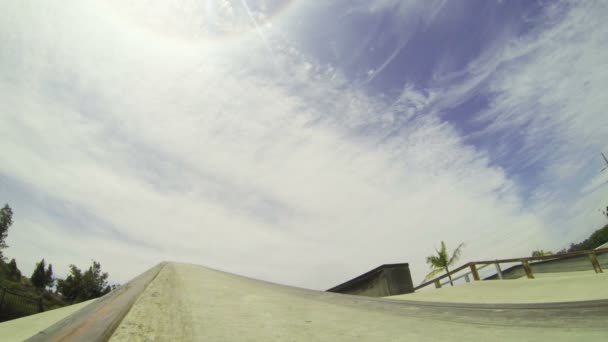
(184, 302)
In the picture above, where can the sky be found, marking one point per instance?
(299, 142)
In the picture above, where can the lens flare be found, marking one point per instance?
(211, 20)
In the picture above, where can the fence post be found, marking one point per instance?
(437, 284)
(498, 270)
(596, 265)
(2, 297)
(474, 271)
(527, 268)
(466, 278)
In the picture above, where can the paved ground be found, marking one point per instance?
(545, 288)
(22, 328)
(192, 303)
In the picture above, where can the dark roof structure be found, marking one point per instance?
(382, 281)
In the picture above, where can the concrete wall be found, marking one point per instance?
(386, 280)
(581, 263)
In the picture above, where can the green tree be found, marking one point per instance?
(80, 286)
(49, 279)
(94, 281)
(541, 252)
(6, 220)
(596, 239)
(13, 270)
(38, 278)
(441, 262)
(71, 286)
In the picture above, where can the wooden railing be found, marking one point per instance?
(525, 262)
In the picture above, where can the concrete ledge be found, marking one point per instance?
(97, 322)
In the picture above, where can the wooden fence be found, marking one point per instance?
(474, 266)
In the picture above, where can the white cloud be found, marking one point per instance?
(547, 92)
(202, 150)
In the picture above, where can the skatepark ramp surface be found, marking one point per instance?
(545, 288)
(184, 302)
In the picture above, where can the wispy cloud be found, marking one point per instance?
(546, 94)
(199, 148)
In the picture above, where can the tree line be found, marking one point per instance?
(596, 239)
(79, 285)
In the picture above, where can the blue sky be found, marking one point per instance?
(300, 142)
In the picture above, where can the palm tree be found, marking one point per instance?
(441, 262)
